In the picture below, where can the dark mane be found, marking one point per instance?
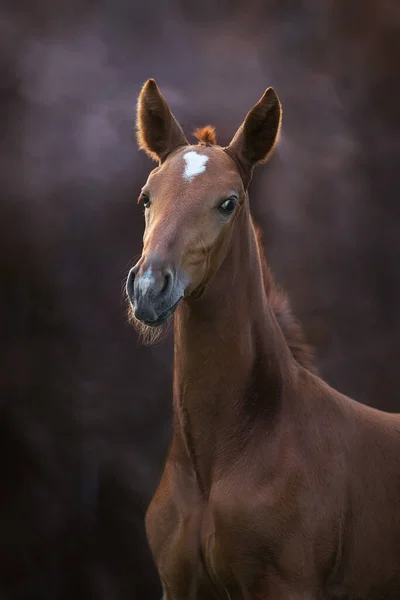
(206, 135)
(290, 326)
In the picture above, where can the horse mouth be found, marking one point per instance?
(164, 317)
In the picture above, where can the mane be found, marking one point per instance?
(206, 135)
(301, 351)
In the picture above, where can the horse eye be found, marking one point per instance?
(228, 206)
(145, 199)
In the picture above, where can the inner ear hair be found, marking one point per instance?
(158, 132)
(257, 136)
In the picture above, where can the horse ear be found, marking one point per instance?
(158, 132)
(255, 139)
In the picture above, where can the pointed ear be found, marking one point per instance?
(255, 139)
(158, 132)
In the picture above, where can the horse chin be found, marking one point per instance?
(153, 332)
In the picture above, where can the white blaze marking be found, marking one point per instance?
(146, 281)
(195, 164)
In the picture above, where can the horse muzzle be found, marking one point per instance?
(154, 292)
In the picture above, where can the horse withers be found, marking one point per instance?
(275, 485)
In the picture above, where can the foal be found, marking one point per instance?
(275, 486)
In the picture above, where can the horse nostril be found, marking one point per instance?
(167, 281)
(130, 283)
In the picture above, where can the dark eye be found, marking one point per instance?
(228, 206)
(145, 200)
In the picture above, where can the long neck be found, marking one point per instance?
(232, 365)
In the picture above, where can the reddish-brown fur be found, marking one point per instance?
(276, 486)
(206, 135)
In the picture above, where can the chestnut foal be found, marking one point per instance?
(276, 486)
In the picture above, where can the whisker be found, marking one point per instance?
(132, 261)
(149, 336)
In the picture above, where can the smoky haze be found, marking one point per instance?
(85, 409)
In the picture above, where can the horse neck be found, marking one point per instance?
(232, 368)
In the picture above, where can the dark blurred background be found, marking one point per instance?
(85, 410)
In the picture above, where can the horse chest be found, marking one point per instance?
(208, 549)
(177, 524)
